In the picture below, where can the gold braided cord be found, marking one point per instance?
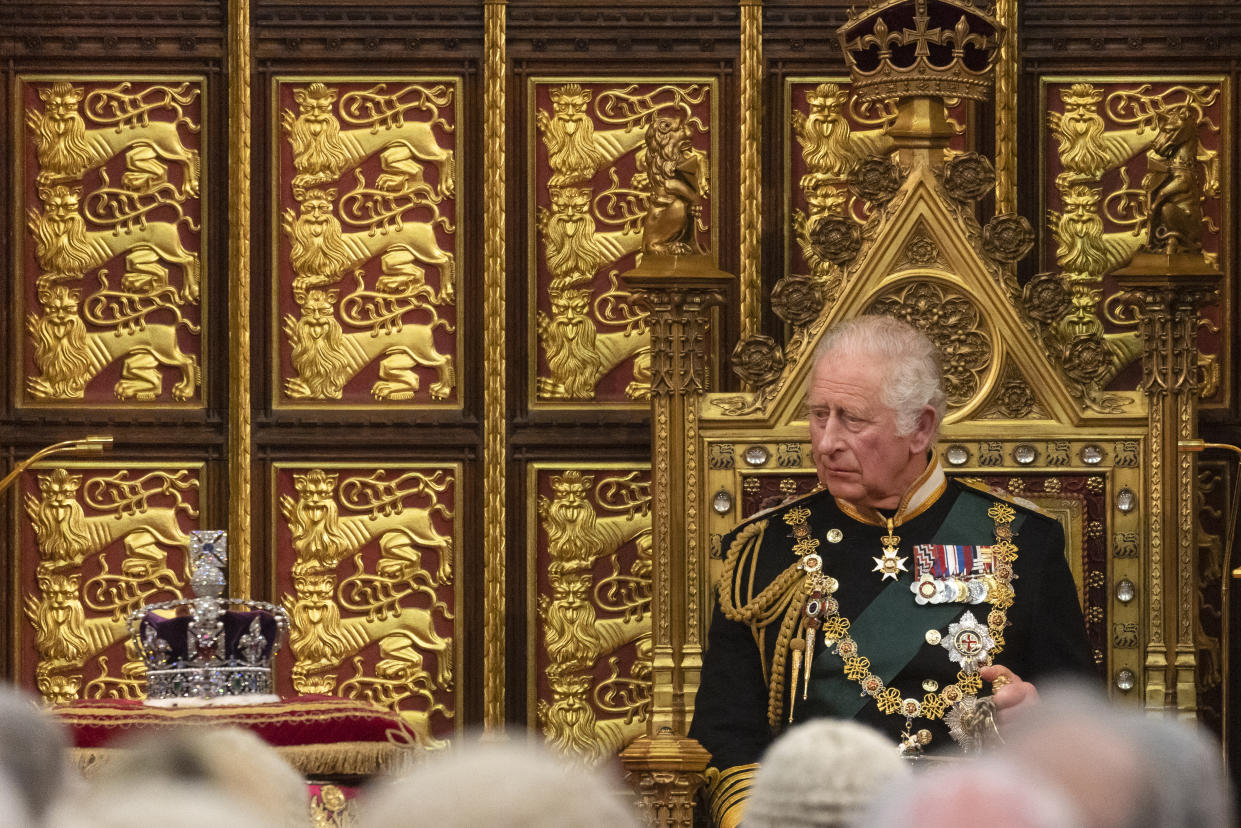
(727, 792)
(495, 433)
(771, 601)
(751, 165)
(239, 459)
(775, 686)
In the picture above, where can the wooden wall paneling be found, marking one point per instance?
(100, 45)
(602, 51)
(434, 51)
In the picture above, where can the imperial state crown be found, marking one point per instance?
(208, 649)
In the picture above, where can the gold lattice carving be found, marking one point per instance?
(956, 326)
(382, 620)
(585, 715)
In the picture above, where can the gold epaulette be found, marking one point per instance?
(978, 485)
(728, 791)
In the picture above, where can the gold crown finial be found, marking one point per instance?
(920, 48)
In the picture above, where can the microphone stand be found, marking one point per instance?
(91, 444)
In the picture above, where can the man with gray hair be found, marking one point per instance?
(887, 595)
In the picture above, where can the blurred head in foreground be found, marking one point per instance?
(196, 777)
(819, 774)
(512, 784)
(33, 763)
(1120, 766)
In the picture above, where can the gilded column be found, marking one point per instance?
(751, 165)
(678, 292)
(494, 420)
(239, 459)
(1169, 291)
(1006, 109)
(1185, 321)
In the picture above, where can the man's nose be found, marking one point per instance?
(829, 437)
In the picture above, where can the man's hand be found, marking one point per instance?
(1011, 694)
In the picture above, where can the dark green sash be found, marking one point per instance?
(891, 629)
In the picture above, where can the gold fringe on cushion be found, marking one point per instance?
(329, 759)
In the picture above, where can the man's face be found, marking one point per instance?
(858, 453)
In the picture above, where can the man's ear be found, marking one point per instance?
(924, 430)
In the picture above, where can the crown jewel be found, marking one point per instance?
(912, 48)
(208, 647)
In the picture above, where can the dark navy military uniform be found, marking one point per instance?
(1045, 633)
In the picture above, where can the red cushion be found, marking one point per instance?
(317, 734)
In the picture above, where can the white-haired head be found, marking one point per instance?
(909, 360)
(820, 774)
(516, 784)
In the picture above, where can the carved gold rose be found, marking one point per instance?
(1016, 400)
(875, 179)
(1007, 237)
(758, 360)
(797, 299)
(1045, 298)
(835, 239)
(968, 176)
(1087, 358)
(922, 250)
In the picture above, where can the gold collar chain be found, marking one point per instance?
(820, 610)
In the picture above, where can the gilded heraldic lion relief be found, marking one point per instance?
(384, 619)
(1133, 176)
(82, 600)
(644, 139)
(390, 177)
(106, 192)
(587, 714)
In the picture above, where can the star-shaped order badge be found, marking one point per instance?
(890, 565)
(968, 642)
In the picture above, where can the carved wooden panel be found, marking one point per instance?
(99, 540)
(366, 563)
(1120, 156)
(589, 603)
(600, 146)
(112, 249)
(367, 190)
